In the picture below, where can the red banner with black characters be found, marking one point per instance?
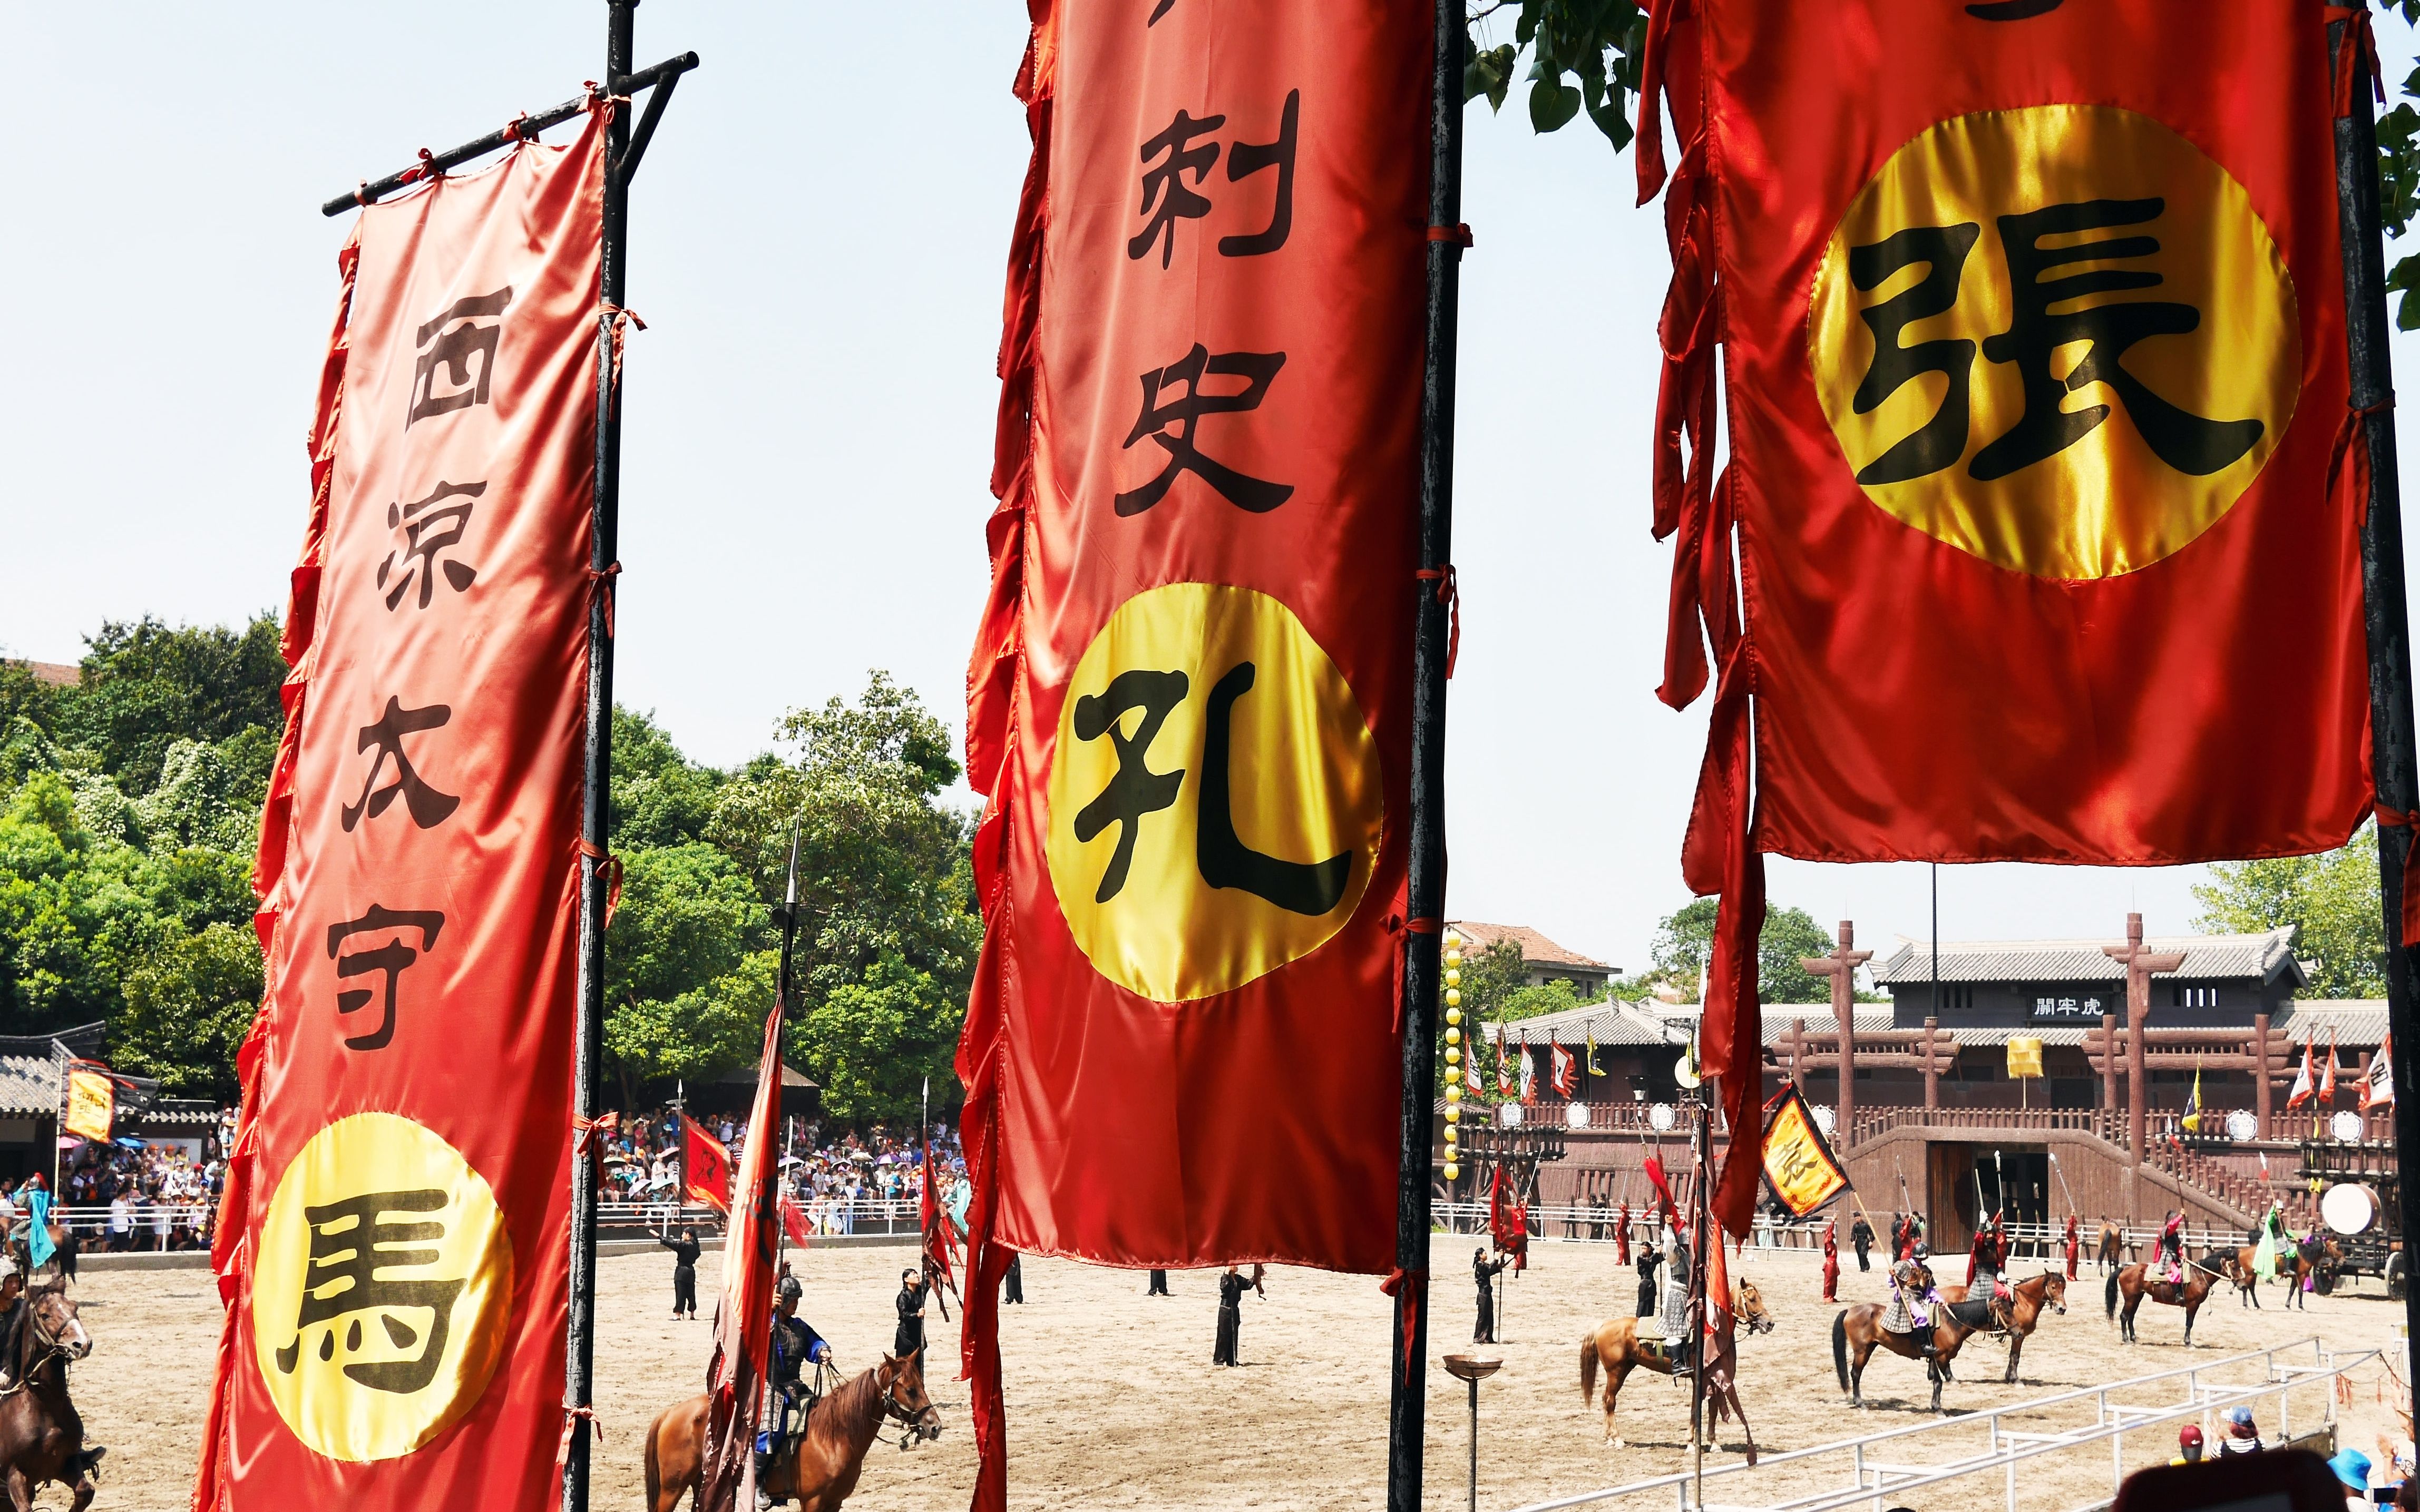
(392, 1241)
(2032, 361)
(1190, 701)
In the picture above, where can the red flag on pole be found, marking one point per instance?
(394, 1234)
(2305, 1082)
(1566, 1075)
(705, 1166)
(743, 1316)
(1878, 223)
(1190, 694)
(2328, 1074)
(939, 1233)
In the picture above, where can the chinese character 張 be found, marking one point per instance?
(427, 806)
(1135, 789)
(1161, 422)
(351, 1242)
(424, 537)
(2047, 314)
(452, 344)
(390, 958)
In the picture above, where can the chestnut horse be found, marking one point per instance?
(2109, 1253)
(820, 1468)
(2135, 1282)
(2295, 1265)
(2028, 1300)
(1859, 1330)
(1614, 1344)
(41, 1438)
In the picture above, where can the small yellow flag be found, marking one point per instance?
(1798, 1163)
(92, 1103)
(2024, 1056)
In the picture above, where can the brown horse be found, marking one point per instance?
(2135, 1282)
(2109, 1251)
(63, 1251)
(1859, 1332)
(2296, 1266)
(821, 1467)
(1614, 1344)
(2028, 1300)
(41, 1438)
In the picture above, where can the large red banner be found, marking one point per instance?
(1190, 701)
(2031, 359)
(393, 1244)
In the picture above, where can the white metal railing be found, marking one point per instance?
(153, 1225)
(1872, 1482)
(2046, 1243)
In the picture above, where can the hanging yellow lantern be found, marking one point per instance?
(1452, 1036)
(1453, 1055)
(1454, 998)
(1452, 1116)
(1453, 976)
(1452, 1095)
(1454, 1015)
(1451, 1170)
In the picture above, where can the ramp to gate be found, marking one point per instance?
(1878, 1471)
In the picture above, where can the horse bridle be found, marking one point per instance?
(53, 1348)
(896, 1411)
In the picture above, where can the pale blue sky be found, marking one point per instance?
(818, 238)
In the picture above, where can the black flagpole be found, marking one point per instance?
(1407, 1343)
(2392, 744)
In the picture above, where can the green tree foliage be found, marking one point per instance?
(887, 930)
(2330, 899)
(129, 807)
(147, 687)
(1685, 941)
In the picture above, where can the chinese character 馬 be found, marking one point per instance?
(351, 1243)
(428, 807)
(1161, 422)
(450, 346)
(390, 958)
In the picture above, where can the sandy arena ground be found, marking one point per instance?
(1112, 1402)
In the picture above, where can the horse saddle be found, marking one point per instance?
(1976, 1312)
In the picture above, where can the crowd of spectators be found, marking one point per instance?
(136, 1193)
(837, 1177)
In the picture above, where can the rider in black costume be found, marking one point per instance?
(795, 1346)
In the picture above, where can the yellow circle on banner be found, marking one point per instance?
(380, 1290)
(1215, 798)
(2060, 338)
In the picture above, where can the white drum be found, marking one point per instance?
(2346, 1127)
(2241, 1126)
(1577, 1115)
(2349, 1208)
(1508, 1115)
(1659, 1117)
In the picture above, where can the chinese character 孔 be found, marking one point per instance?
(425, 535)
(390, 958)
(448, 346)
(353, 1241)
(2036, 332)
(1219, 854)
(428, 807)
(1161, 422)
